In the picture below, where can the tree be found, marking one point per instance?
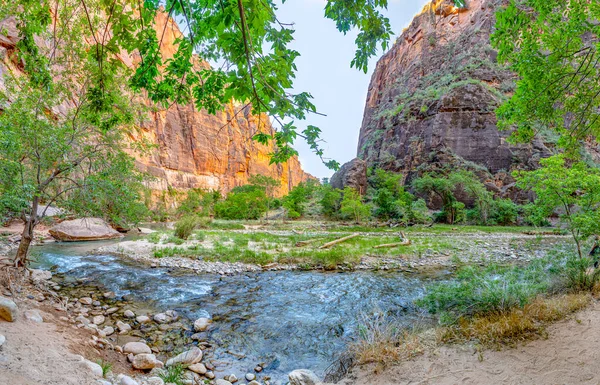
(329, 200)
(268, 184)
(63, 124)
(572, 190)
(251, 45)
(553, 46)
(352, 205)
(445, 187)
(244, 202)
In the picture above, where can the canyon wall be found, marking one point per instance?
(432, 99)
(195, 149)
(191, 148)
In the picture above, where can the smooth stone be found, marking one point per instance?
(8, 309)
(126, 380)
(209, 375)
(33, 316)
(201, 324)
(82, 319)
(143, 319)
(303, 377)
(258, 369)
(198, 368)
(98, 320)
(2, 340)
(112, 310)
(104, 382)
(109, 294)
(108, 330)
(38, 275)
(232, 378)
(250, 376)
(85, 301)
(136, 348)
(129, 314)
(155, 381)
(93, 367)
(222, 382)
(146, 361)
(254, 383)
(83, 229)
(161, 318)
(188, 357)
(123, 327)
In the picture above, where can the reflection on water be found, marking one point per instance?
(286, 319)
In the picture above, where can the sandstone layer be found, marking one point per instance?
(432, 99)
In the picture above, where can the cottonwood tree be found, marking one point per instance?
(65, 114)
(553, 46)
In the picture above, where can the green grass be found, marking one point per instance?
(106, 367)
(172, 374)
(278, 243)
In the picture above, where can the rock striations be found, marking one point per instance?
(191, 148)
(432, 98)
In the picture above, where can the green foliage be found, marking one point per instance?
(572, 190)
(353, 207)
(553, 47)
(330, 201)
(172, 374)
(388, 196)
(479, 291)
(106, 367)
(505, 212)
(70, 154)
(185, 226)
(445, 187)
(295, 202)
(199, 202)
(245, 202)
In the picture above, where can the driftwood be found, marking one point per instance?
(307, 242)
(340, 240)
(405, 242)
(298, 232)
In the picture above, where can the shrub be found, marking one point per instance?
(493, 289)
(246, 202)
(294, 203)
(185, 226)
(330, 201)
(353, 207)
(505, 212)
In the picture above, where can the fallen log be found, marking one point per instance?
(307, 242)
(340, 240)
(406, 242)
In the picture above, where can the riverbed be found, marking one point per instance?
(284, 320)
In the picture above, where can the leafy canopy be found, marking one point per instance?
(249, 44)
(553, 46)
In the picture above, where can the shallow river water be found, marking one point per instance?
(288, 320)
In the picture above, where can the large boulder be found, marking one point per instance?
(8, 309)
(84, 229)
(146, 361)
(352, 174)
(189, 357)
(303, 377)
(136, 348)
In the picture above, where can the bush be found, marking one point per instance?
(353, 207)
(246, 202)
(185, 226)
(480, 291)
(295, 202)
(505, 212)
(330, 201)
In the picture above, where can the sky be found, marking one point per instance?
(324, 71)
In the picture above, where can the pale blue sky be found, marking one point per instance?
(324, 70)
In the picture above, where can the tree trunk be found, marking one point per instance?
(27, 235)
